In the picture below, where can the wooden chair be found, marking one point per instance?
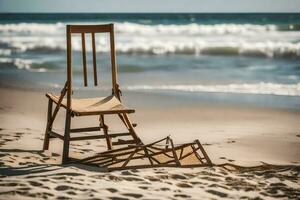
(101, 106)
(162, 153)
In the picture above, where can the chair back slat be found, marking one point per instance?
(113, 61)
(94, 59)
(69, 67)
(84, 59)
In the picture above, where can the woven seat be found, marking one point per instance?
(93, 106)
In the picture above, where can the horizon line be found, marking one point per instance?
(259, 12)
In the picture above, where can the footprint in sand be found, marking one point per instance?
(35, 184)
(144, 187)
(118, 198)
(164, 189)
(181, 196)
(112, 190)
(231, 141)
(178, 177)
(8, 184)
(62, 197)
(132, 179)
(217, 193)
(184, 185)
(19, 133)
(152, 178)
(71, 193)
(136, 196)
(128, 173)
(63, 187)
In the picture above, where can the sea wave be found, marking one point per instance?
(159, 47)
(23, 64)
(135, 28)
(197, 47)
(247, 88)
(32, 28)
(134, 38)
(193, 29)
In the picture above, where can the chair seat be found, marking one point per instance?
(94, 106)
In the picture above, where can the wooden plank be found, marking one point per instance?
(90, 28)
(129, 158)
(160, 151)
(204, 152)
(69, 67)
(105, 131)
(54, 134)
(121, 142)
(90, 137)
(108, 112)
(188, 154)
(89, 129)
(84, 59)
(196, 154)
(49, 115)
(174, 153)
(181, 152)
(94, 59)
(119, 134)
(113, 62)
(147, 155)
(58, 104)
(131, 129)
(65, 155)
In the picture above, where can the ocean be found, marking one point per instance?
(248, 59)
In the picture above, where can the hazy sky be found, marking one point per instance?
(149, 5)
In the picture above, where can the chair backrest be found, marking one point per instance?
(83, 30)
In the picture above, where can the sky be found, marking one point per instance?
(100, 6)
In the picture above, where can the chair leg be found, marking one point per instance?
(131, 129)
(105, 131)
(65, 155)
(48, 127)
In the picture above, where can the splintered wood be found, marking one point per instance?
(162, 153)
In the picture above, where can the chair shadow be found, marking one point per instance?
(33, 169)
(39, 168)
(20, 151)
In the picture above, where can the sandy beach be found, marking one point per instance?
(244, 136)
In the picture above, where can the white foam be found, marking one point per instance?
(22, 64)
(254, 88)
(244, 39)
(134, 28)
(5, 52)
(192, 29)
(32, 28)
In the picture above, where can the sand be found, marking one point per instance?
(239, 135)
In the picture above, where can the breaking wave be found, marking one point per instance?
(134, 28)
(133, 38)
(24, 64)
(160, 47)
(255, 88)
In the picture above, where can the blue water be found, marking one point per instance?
(232, 58)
